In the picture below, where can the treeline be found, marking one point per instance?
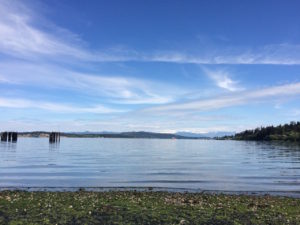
(286, 132)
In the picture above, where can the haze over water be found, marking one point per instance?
(190, 164)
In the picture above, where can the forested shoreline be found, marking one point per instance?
(286, 132)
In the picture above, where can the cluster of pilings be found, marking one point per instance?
(9, 136)
(54, 137)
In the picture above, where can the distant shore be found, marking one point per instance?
(139, 134)
(132, 207)
(286, 133)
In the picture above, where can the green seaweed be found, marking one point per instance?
(131, 207)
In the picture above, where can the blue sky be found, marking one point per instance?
(161, 66)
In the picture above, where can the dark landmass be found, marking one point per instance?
(287, 132)
(205, 135)
(131, 207)
(140, 134)
(94, 132)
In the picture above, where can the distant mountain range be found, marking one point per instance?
(152, 134)
(205, 135)
(94, 132)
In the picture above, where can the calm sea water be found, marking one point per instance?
(190, 164)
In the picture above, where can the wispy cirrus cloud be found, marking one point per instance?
(18, 103)
(273, 54)
(21, 36)
(222, 79)
(239, 98)
(117, 89)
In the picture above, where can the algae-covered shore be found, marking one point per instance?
(131, 207)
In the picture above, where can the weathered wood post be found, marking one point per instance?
(51, 137)
(9, 137)
(54, 137)
(4, 136)
(14, 137)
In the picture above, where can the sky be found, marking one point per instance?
(152, 65)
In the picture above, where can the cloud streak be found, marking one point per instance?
(222, 79)
(19, 37)
(16, 103)
(276, 54)
(231, 100)
(118, 89)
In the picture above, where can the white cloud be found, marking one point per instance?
(276, 54)
(222, 79)
(54, 107)
(118, 89)
(239, 98)
(21, 36)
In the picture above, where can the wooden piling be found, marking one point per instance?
(14, 137)
(4, 136)
(54, 137)
(51, 137)
(9, 136)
